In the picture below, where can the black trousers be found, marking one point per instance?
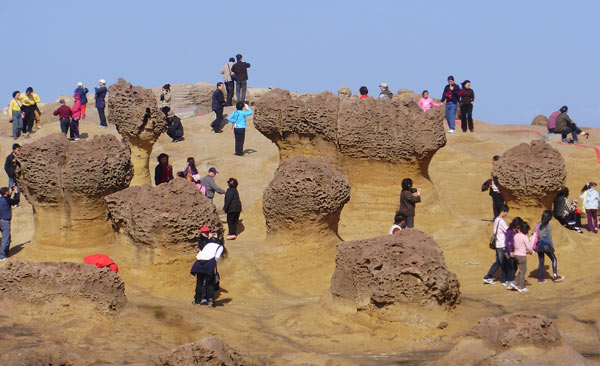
(240, 136)
(232, 222)
(28, 122)
(230, 86)
(102, 116)
(165, 110)
(216, 124)
(466, 117)
(497, 202)
(541, 265)
(205, 287)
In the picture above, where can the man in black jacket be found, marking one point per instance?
(10, 167)
(174, 127)
(218, 102)
(240, 71)
(6, 201)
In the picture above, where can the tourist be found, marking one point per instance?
(232, 207)
(551, 124)
(399, 224)
(190, 170)
(565, 126)
(174, 127)
(509, 244)
(545, 246)
(10, 167)
(82, 91)
(364, 92)
(205, 236)
(100, 95)
(6, 203)
(589, 200)
(238, 119)
(409, 197)
(500, 228)
(208, 182)
(76, 115)
(240, 75)
(565, 211)
(29, 106)
(218, 101)
(467, 97)
(101, 261)
(522, 248)
(14, 110)
(426, 101)
(229, 84)
(491, 185)
(34, 99)
(163, 173)
(205, 270)
(64, 113)
(385, 91)
(451, 96)
(165, 99)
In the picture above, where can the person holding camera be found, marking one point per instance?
(165, 99)
(7, 200)
(408, 201)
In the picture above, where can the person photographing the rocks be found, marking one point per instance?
(238, 119)
(240, 75)
(7, 200)
(409, 197)
(100, 95)
(82, 91)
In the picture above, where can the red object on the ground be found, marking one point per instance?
(200, 114)
(100, 261)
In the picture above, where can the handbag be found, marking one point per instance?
(544, 246)
(493, 239)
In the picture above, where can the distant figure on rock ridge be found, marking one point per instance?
(408, 201)
(76, 113)
(238, 120)
(426, 101)
(64, 114)
(100, 95)
(467, 98)
(218, 102)
(240, 75)
(565, 126)
(364, 92)
(385, 91)
(451, 96)
(163, 173)
(14, 111)
(174, 127)
(34, 101)
(82, 91)
(229, 83)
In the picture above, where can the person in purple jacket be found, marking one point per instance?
(451, 96)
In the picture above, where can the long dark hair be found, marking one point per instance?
(192, 163)
(516, 223)
(546, 217)
(525, 228)
(232, 182)
(407, 183)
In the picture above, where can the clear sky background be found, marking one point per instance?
(522, 57)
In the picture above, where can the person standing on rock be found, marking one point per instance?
(28, 108)
(100, 95)
(14, 110)
(240, 75)
(163, 173)
(451, 96)
(589, 199)
(545, 246)
(174, 127)
(76, 115)
(218, 102)
(64, 113)
(385, 91)
(467, 98)
(565, 126)
(408, 201)
(6, 203)
(238, 119)
(364, 92)
(500, 228)
(165, 99)
(228, 78)
(208, 182)
(34, 100)
(426, 101)
(82, 91)
(232, 207)
(10, 167)
(205, 270)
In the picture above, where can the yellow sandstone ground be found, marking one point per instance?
(274, 299)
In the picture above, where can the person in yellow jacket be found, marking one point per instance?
(14, 110)
(29, 99)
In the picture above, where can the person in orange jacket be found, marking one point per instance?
(101, 261)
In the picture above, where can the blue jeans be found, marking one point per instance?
(17, 123)
(499, 263)
(241, 85)
(5, 246)
(451, 113)
(573, 130)
(11, 182)
(102, 116)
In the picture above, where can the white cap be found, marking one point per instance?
(80, 84)
(102, 81)
(385, 85)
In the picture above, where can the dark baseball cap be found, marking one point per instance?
(213, 170)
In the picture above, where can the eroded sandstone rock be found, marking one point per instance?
(45, 282)
(170, 213)
(540, 120)
(344, 91)
(138, 119)
(205, 352)
(66, 182)
(405, 268)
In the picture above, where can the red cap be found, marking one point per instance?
(204, 229)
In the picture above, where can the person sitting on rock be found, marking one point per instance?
(163, 173)
(190, 173)
(101, 261)
(174, 127)
(209, 183)
(426, 101)
(232, 207)
(364, 92)
(385, 91)
(551, 124)
(565, 126)
(408, 201)
(399, 224)
(205, 270)
(565, 211)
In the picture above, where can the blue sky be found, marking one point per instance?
(522, 57)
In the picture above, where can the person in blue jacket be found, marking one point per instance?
(238, 119)
(451, 96)
(82, 91)
(100, 102)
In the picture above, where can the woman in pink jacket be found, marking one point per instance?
(76, 115)
(522, 247)
(426, 102)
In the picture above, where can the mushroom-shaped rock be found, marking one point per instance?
(47, 282)
(134, 111)
(407, 268)
(344, 91)
(66, 182)
(207, 351)
(540, 120)
(530, 175)
(305, 199)
(169, 214)
(531, 339)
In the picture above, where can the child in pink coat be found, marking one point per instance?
(76, 115)
(426, 102)
(522, 247)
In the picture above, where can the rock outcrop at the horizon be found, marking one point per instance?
(169, 214)
(205, 352)
(66, 182)
(540, 120)
(304, 200)
(135, 113)
(63, 282)
(407, 268)
(524, 339)
(530, 175)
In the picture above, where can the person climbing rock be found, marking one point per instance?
(163, 173)
(232, 207)
(101, 261)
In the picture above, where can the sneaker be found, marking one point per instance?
(100, 126)
(18, 206)
(195, 303)
(541, 281)
(231, 237)
(451, 131)
(212, 303)
(511, 286)
(558, 278)
(524, 289)
(489, 281)
(76, 139)
(505, 284)
(565, 141)
(3, 259)
(204, 302)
